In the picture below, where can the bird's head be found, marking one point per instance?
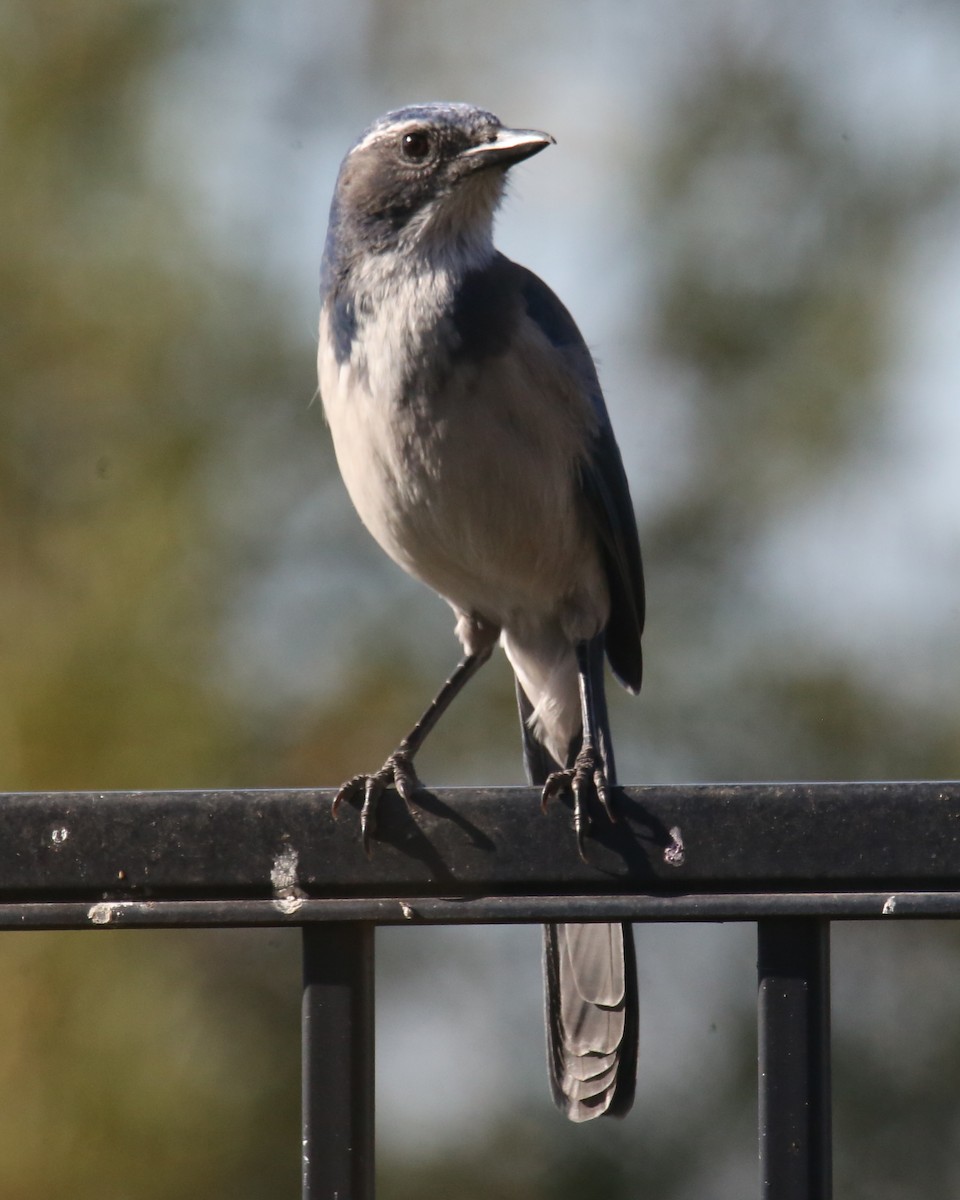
(424, 180)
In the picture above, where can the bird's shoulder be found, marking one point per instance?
(495, 302)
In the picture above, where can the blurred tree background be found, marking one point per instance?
(753, 213)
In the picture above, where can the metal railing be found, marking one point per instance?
(791, 857)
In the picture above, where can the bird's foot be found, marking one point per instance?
(396, 772)
(585, 780)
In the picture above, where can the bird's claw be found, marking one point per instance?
(584, 780)
(396, 772)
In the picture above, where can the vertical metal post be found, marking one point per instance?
(793, 963)
(338, 1076)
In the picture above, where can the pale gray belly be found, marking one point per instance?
(472, 492)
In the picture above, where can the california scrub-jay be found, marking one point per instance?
(472, 436)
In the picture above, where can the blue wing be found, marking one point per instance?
(485, 311)
(605, 489)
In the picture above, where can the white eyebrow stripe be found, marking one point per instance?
(382, 133)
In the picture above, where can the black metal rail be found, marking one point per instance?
(791, 857)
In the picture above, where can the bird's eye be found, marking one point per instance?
(416, 145)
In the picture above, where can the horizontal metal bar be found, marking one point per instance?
(483, 910)
(284, 846)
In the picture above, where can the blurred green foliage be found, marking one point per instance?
(129, 1064)
(138, 358)
(113, 343)
(778, 255)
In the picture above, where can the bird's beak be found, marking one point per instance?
(508, 147)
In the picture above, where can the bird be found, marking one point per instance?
(471, 433)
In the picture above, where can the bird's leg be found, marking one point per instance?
(592, 772)
(398, 770)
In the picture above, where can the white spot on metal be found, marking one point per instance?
(102, 913)
(106, 911)
(407, 911)
(59, 836)
(287, 895)
(674, 854)
(889, 906)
